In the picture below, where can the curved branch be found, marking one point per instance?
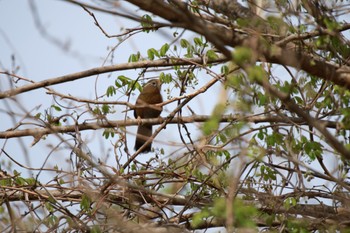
(105, 69)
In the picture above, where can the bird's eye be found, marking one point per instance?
(154, 84)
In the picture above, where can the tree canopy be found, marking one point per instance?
(267, 150)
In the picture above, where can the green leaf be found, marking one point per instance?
(165, 78)
(49, 206)
(134, 57)
(274, 139)
(123, 81)
(289, 202)
(164, 49)
(137, 85)
(346, 117)
(211, 55)
(95, 229)
(111, 91)
(30, 181)
(108, 133)
(190, 52)
(85, 202)
(57, 108)
(6, 182)
(261, 134)
(242, 55)
(222, 137)
(244, 214)
(152, 53)
(224, 69)
(37, 116)
(313, 149)
(278, 25)
(331, 25)
(198, 41)
(147, 23)
(213, 123)
(267, 173)
(184, 43)
(262, 99)
(256, 73)
(20, 181)
(105, 109)
(133, 167)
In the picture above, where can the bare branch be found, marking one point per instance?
(105, 69)
(35, 132)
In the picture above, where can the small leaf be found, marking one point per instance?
(243, 55)
(161, 76)
(30, 181)
(108, 133)
(147, 23)
(105, 109)
(165, 78)
(20, 181)
(150, 54)
(85, 202)
(260, 135)
(198, 41)
(184, 43)
(105, 134)
(111, 91)
(224, 69)
(57, 108)
(134, 57)
(256, 73)
(137, 86)
(211, 55)
(210, 126)
(37, 116)
(164, 49)
(289, 203)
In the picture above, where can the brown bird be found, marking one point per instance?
(150, 95)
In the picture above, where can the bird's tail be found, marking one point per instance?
(144, 132)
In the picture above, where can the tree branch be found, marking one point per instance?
(105, 69)
(264, 202)
(293, 107)
(290, 55)
(39, 132)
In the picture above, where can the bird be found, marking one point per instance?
(149, 96)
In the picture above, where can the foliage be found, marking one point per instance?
(273, 154)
